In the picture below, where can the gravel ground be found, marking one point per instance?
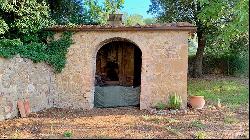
(129, 122)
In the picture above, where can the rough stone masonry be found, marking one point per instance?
(164, 68)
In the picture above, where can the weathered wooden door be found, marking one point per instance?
(115, 63)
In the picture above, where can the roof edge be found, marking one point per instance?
(183, 26)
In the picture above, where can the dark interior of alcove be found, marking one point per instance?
(119, 63)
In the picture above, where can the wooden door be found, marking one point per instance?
(116, 59)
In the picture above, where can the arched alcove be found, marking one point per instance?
(118, 74)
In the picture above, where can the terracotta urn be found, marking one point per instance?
(27, 107)
(197, 102)
(21, 108)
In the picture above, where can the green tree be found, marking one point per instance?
(218, 21)
(100, 11)
(83, 12)
(70, 12)
(150, 20)
(21, 17)
(133, 20)
(113, 6)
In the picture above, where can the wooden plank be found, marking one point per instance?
(121, 53)
(120, 64)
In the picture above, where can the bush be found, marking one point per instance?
(160, 106)
(53, 53)
(200, 135)
(67, 134)
(174, 102)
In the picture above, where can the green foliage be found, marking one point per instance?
(230, 17)
(230, 120)
(54, 53)
(133, 20)
(100, 12)
(3, 26)
(58, 50)
(222, 23)
(200, 135)
(197, 124)
(235, 64)
(174, 102)
(173, 10)
(8, 48)
(68, 134)
(150, 21)
(231, 93)
(23, 17)
(113, 5)
(192, 45)
(66, 12)
(160, 106)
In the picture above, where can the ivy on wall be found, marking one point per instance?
(54, 52)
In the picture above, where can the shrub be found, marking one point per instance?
(160, 106)
(200, 135)
(67, 134)
(174, 102)
(53, 53)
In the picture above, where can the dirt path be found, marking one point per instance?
(128, 123)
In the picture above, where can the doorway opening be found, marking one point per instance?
(118, 75)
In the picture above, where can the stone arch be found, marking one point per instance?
(137, 49)
(109, 40)
(106, 41)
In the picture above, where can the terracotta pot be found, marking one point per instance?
(21, 108)
(27, 106)
(197, 102)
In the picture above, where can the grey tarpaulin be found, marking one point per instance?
(114, 96)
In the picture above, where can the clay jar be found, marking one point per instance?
(197, 102)
(26, 104)
(21, 108)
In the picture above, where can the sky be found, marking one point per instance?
(137, 7)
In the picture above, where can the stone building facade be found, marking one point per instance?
(164, 65)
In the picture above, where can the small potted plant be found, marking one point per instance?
(196, 101)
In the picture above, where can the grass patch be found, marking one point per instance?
(200, 135)
(160, 106)
(230, 120)
(68, 134)
(172, 130)
(197, 124)
(230, 93)
(159, 119)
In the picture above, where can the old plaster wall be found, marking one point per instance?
(22, 79)
(164, 66)
(164, 72)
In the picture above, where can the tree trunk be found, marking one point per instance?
(197, 65)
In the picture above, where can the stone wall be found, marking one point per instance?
(22, 79)
(164, 72)
(164, 66)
